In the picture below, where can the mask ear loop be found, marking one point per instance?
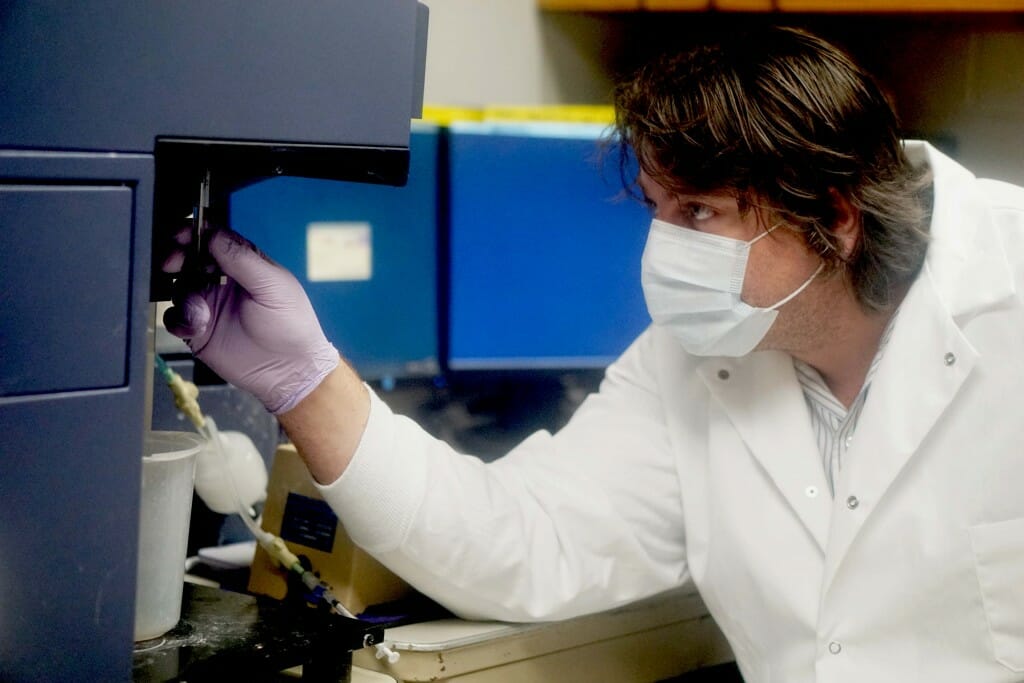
(763, 234)
(807, 282)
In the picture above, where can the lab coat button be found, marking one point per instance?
(723, 374)
(950, 358)
(835, 648)
(852, 502)
(849, 440)
(811, 491)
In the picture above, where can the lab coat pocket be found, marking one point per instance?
(999, 561)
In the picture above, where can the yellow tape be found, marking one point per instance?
(445, 116)
(565, 113)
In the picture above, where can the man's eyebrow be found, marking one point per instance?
(695, 197)
(711, 198)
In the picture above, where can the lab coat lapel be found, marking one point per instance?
(762, 398)
(923, 368)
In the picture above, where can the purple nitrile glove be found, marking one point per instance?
(258, 330)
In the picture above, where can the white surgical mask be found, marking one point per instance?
(692, 283)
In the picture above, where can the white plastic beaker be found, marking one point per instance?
(168, 471)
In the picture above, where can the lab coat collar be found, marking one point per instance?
(925, 364)
(928, 357)
(967, 263)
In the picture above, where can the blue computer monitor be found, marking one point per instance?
(544, 249)
(366, 255)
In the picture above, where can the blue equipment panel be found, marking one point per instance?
(545, 250)
(64, 299)
(365, 254)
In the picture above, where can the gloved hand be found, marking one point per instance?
(258, 331)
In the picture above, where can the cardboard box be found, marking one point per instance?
(296, 512)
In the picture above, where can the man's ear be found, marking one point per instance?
(847, 225)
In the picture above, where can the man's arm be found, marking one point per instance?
(565, 524)
(327, 425)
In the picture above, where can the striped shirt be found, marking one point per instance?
(833, 424)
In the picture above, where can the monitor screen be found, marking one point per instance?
(545, 249)
(366, 255)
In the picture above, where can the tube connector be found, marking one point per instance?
(277, 549)
(185, 395)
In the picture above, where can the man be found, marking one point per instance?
(814, 430)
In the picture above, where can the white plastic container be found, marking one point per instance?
(168, 472)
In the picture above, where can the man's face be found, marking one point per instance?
(778, 264)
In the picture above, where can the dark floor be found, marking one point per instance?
(723, 673)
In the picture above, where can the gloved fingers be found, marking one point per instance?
(175, 259)
(189, 319)
(176, 324)
(243, 262)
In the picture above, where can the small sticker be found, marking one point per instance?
(339, 252)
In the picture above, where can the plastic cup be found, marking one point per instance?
(168, 472)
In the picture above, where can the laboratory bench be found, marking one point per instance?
(228, 635)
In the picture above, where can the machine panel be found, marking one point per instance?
(74, 257)
(64, 302)
(208, 70)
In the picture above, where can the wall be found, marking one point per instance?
(508, 52)
(957, 79)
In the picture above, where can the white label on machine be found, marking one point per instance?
(339, 252)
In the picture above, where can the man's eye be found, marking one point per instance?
(700, 212)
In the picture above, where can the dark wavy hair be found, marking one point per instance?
(781, 119)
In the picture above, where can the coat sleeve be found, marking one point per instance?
(581, 521)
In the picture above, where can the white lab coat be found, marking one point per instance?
(706, 469)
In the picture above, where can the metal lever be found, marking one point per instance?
(199, 218)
